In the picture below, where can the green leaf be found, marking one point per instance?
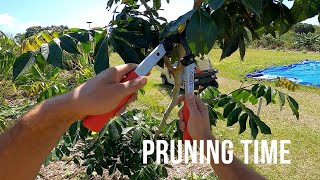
(230, 46)
(127, 52)
(234, 116)
(101, 55)
(22, 63)
(242, 48)
(82, 36)
(69, 45)
(261, 91)
(86, 47)
(137, 136)
(268, 95)
(253, 99)
(213, 116)
(255, 88)
(265, 129)
(223, 101)
(89, 169)
(215, 4)
(254, 6)
(36, 72)
(173, 26)
(253, 127)
(113, 132)
(156, 4)
(58, 153)
(243, 122)
(304, 9)
(228, 109)
(55, 55)
(98, 169)
(282, 99)
(294, 106)
(132, 37)
(201, 32)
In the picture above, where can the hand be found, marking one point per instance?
(103, 92)
(198, 125)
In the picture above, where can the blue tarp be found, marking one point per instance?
(306, 72)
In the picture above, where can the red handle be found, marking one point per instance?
(186, 135)
(96, 122)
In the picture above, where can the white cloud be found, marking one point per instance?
(7, 20)
(12, 25)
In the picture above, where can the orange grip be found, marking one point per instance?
(186, 135)
(96, 122)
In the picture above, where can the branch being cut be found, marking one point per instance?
(175, 94)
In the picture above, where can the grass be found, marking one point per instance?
(304, 133)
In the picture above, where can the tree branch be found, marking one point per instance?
(197, 3)
(175, 94)
(148, 10)
(168, 64)
(177, 80)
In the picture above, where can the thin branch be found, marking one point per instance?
(175, 94)
(168, 64)
(197, 3)
(148, 10)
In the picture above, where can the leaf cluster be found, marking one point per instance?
(233, 107)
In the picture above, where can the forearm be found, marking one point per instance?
(235, 170)
(25, 146)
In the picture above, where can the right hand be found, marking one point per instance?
(103, 92)
(198, 125)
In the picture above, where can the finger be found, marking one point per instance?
(123, 70)
(201, 106)
(131, 86)
(180, 99)
(182, 125)
(132, 98)
(121, 110)
(191, 103)
(180, 114)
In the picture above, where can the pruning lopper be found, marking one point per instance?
(97, 122)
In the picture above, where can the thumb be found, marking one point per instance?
(191, 103)
(132, 86)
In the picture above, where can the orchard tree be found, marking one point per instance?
(135, 30)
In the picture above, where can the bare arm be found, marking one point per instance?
(199, 129)
(24, 147)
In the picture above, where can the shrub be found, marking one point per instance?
(303, 28)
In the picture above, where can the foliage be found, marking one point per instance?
(117, 147)
(31, 31)
(268, 42)
(303, 28)
(307, 41)
(232, 107)
(8, 52)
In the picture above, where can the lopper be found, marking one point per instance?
(97, 122)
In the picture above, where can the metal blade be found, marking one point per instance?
(189, 79)
(151, 60)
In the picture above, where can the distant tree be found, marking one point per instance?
(303, 28)
(36, 29)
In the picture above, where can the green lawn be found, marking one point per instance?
(304, 133)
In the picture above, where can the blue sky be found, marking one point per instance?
(17, 15)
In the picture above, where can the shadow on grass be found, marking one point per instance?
(165, 89)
